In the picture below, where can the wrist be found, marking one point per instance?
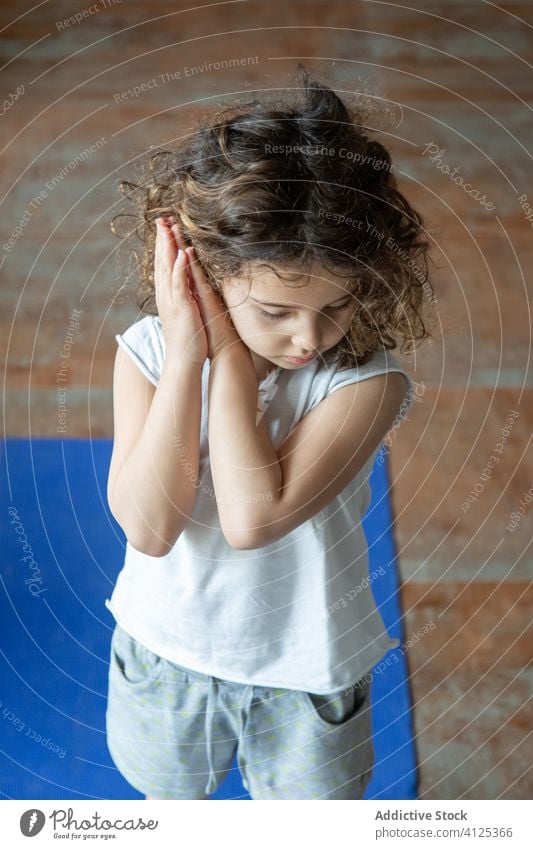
(181, 363)
(234, 350)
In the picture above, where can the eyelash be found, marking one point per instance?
(276, 316)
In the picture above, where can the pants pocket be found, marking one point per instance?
(335, 709)
(131, 662)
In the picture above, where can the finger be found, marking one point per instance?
(161, 232)
(165, 240)
(202, 284)
(179, 275)
(178, 236)
(191, 285)
(171, 227)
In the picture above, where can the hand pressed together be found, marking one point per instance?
(220, 330)
(183, 329)
(193, 315)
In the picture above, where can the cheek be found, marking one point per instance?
(263, 333)
(248, 327)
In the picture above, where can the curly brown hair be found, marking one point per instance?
(284, 185)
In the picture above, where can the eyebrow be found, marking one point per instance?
(270, 304)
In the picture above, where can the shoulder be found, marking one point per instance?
(384, 373)
(147, 327)
(144, 342)
(381, 364)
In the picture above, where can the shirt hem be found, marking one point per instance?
(382, 648)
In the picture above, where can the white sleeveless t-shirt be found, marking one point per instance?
(298, 613)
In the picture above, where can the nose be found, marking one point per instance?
(307, 341)
(305, 345)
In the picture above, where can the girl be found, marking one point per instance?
(250, 402)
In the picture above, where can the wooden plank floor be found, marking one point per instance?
(455, 83)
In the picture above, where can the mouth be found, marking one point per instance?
(300, 360)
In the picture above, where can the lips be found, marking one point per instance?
(301, 360)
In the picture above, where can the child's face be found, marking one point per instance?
(309, 320)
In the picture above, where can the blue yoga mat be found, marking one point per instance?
(61, 553)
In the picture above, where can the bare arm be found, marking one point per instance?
(154, 466)
(151, 490)
(264, 495)
(245, 468)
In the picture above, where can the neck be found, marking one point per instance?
(262, 366)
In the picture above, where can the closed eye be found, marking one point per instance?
(276, 316)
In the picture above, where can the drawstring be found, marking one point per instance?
(248, 695)
(209, 715)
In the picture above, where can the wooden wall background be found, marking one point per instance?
(454, 75)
